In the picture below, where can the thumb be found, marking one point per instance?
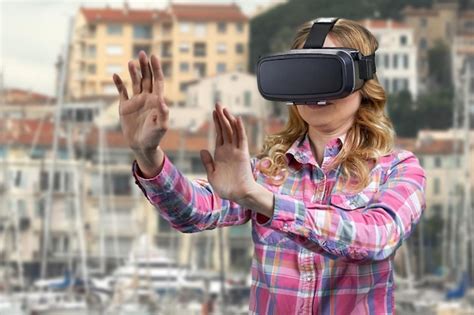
(207, 161)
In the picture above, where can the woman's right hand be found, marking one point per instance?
(144, 116)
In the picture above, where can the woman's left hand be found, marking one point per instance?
(229, 172)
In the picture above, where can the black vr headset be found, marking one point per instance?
(313, 75)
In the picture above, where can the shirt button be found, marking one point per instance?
(309, 279)
(285, 226)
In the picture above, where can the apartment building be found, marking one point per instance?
(396, 55)
(192, 41)
(444, 21)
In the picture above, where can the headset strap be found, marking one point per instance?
(321, 27)
(367, 67)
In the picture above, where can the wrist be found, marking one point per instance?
(150, 162)
(258, 199)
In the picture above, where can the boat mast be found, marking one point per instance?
(52, 166)
(464, 242)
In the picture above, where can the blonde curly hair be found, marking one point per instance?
(370, 137)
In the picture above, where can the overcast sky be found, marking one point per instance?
(33, 33)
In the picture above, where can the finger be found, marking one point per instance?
(146, 72)
(233, 125)
(243, 142)
(226, 128)
(135, 76)
(219, 140)
(208, 162)
(121, 88)
(157, 75)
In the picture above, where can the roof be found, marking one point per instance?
(409, 10)
(208, 12)
(123, 15)
(21, 96)
(438, 147)
(377, 23)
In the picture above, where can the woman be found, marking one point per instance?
(329, 198)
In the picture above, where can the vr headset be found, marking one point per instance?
(313, 75)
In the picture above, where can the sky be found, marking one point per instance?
(33, 33)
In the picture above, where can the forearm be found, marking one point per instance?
(189, 205)
(260, 200)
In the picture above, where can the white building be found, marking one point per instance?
(396, 55)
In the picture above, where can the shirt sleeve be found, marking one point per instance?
(189, 205)
(372, 233)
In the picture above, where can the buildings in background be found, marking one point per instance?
(25, 159)
(445, 22)
(192, 41)
(396, 56)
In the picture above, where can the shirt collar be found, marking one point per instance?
(300, 150)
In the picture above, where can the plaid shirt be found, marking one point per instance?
(325, 250)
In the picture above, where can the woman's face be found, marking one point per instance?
(337, 113)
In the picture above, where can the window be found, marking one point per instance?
(199, 49)
(221, 67)
(184, 27)
(437, 161)
(142, 31)
(405, 84)
(395, 86)
(114, 68)
(114, 29)
(221, 27)
(163, 225)
(423, 22)
(184, 47)
(386, 84)
(423, 43)
(405, 61)
(18, 178)
(239, 67)
(216, 96)
(422, 162)
(91, 51)
(91, 68)
(239, 48)
(247, 98)
(378, 60)
(184, 67)
(200, 69)
(114, 50)
(395, 61)
(166, 49)
(109, 89)
(57, 181)
(166, 67)
(200, 29)
(436, 186)
(91, 29)
(138, 48)
(221, 48)
(386, 61)
(403, 40)
(183, 86)
(166, 29)
(239, 27)
(121, 184)
(44, 181)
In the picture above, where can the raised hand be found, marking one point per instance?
(229, 172)
(144, 116)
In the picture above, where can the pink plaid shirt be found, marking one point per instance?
(325, 250)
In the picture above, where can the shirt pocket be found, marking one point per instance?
(351, 202)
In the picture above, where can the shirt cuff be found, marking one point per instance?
(159, 184)
(288, 213)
